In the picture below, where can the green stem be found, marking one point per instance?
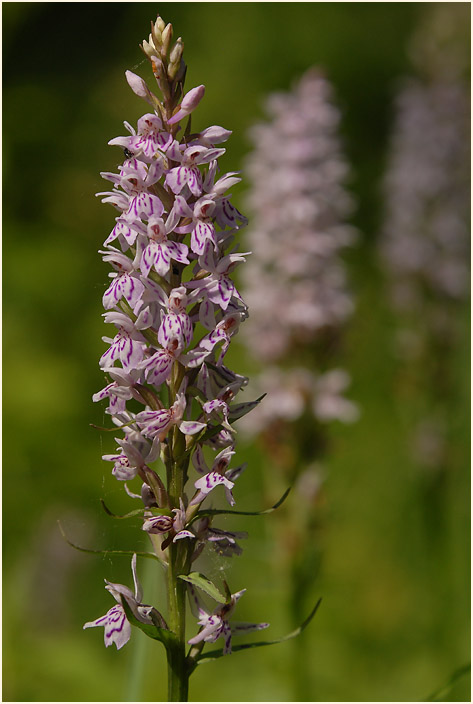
(179, 559)
(178, 671)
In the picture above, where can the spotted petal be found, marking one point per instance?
(115, 623)
(207, 483)
(191, 427)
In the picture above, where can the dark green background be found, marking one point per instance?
(394, 623)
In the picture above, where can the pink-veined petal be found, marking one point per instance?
(183, 534)
(206, 314)
(191, 427)
(116, 627)
(194, 181)
(176, 179)
(207, 483)
(162, 260)
(178, 251)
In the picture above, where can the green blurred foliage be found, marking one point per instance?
(394, 619)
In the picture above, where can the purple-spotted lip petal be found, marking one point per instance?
(211, 480)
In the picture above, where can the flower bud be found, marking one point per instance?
(137, 85)
(159, 24)
(148, 47)
(176, 52)
(191, 99)
(166, 39)
(177, 67)
(215, 135)
(189, 102)
(155, 37)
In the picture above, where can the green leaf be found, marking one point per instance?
(238, 410)
(106, 552)
(441, 693)
(153, 631)
(217, 511)
(199, 580)
(114, 429)
(137, 512)
(215, 654)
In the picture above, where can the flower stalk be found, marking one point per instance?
(178, 670)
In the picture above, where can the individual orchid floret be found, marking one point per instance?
(125, 284)
(158, 423)
(215, 624)
(122, 468)
(157, 250)
(122, 232)
(225, 214)
(207, 483)
(218, 286)
(158, 367)
(218, 475)
(200, 226)
(135, 177)
(221, 334)
(188, 173)
(163, 523)
(149, 140)
(225, 541)
(121, 389)
(158, 524)
(128, 344)
(154, 301)
(143, 205)
(135, 201)
(134, 453)
(217, 409)
(179, 523)
(117, 627)
(176, 323)
(189, 103)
